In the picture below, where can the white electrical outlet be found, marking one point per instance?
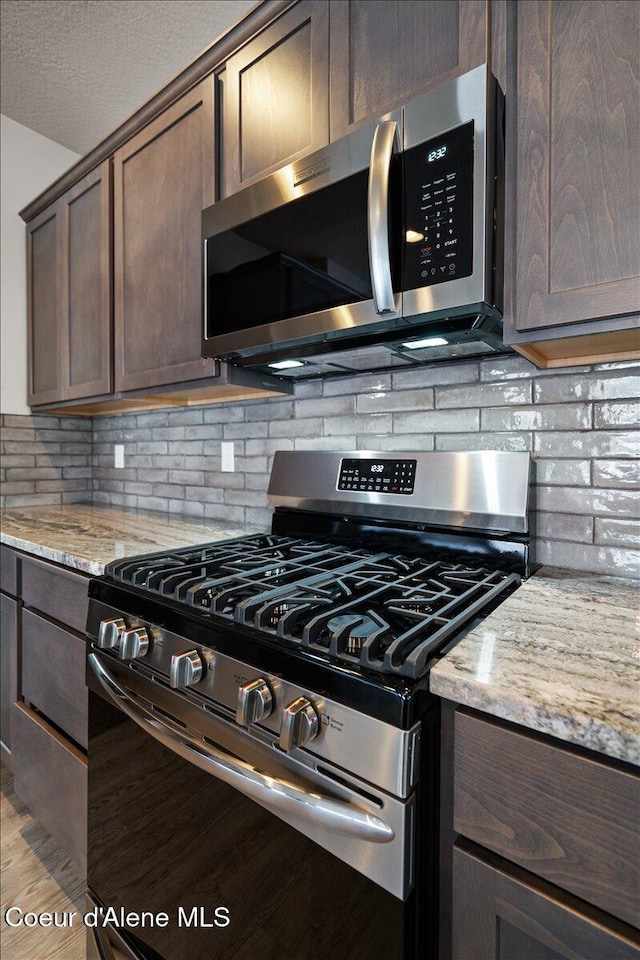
(226, 455)
(118, 455)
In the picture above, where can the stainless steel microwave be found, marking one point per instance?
(381, 250)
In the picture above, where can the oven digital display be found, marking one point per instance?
(378, 476)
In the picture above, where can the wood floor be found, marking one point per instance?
(36, 876)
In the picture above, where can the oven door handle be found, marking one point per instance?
(384, 139)
(275, 794)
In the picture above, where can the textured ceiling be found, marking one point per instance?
(73, 70)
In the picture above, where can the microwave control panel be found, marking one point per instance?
(438, 214)
(378, 476)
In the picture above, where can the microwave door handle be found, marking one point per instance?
(378, 216)
(273, 793)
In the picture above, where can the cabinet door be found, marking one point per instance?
(276, 96)
(69, 293)
(44, 307)
(163, 177)
(577, 159)
(383, 54)
(86, 285)
(497, 916)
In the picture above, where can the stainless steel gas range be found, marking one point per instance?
(263, 752)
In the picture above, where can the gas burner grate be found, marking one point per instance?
(383, 612)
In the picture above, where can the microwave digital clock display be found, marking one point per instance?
(437, 154)
(378, 476)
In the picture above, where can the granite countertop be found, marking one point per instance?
(87, 537)
(560, 656)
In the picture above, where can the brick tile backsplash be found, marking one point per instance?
(45, 460)
(617, 473)
(623, 532)
(593, 385)
(621, 414)
(579, 424)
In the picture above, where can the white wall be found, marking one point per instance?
(29, 163)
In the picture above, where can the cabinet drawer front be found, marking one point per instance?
(58, 593)
(8, 570)
(558, 814)
(500, 915)
(51, 778)
(53, 675)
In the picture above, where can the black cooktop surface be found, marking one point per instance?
(371, 610)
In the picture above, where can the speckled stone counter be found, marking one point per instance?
(561, 656)
(88, 537)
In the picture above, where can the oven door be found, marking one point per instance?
(209, 843)
(307, 254)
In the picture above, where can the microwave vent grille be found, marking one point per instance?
(473, 348)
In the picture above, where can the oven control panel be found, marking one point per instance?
(265, 704)
(378, 476)
(439, 209)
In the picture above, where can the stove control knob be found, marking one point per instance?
(110, 633)
(134, 644)
(300, 724)
(186, 669)
(255, 702)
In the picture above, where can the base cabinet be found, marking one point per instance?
(45, 706)
(497, 916)
(540, 846)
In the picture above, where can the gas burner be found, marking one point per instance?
(278, 610)
(355, 628)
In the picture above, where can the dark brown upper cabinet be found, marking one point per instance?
(384, 53)
(44, 307)
(163, 177)
(69, 293)
(574, 155)
(86, 285)
(275, 100)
